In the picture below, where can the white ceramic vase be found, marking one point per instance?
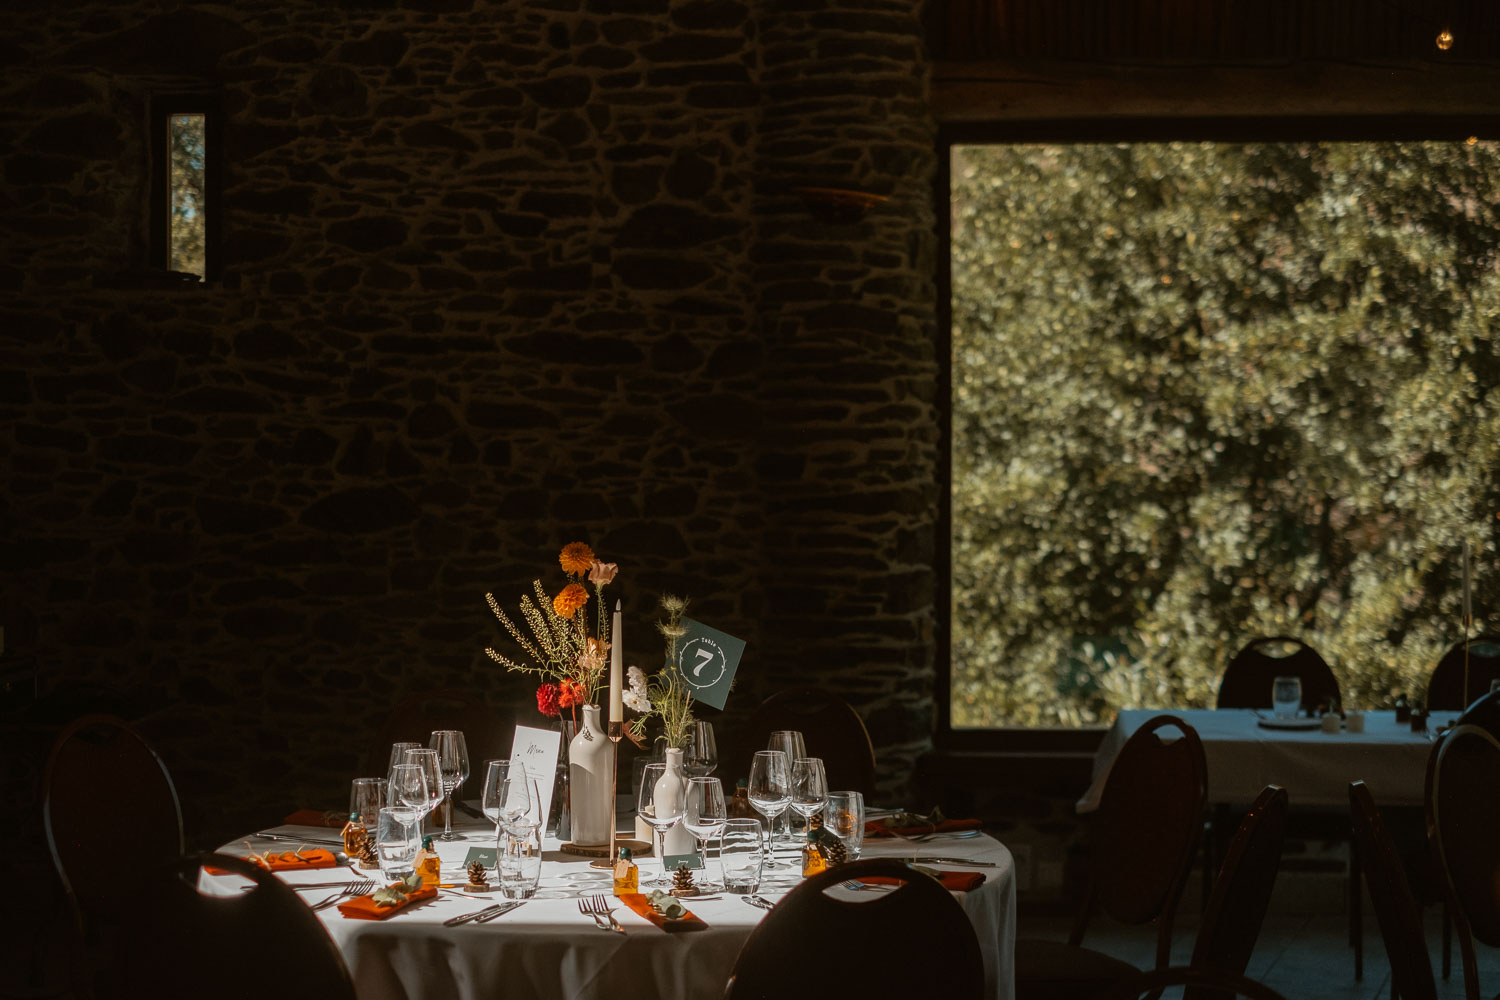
(591, 763)
(671, 791)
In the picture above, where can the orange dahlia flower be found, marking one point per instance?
(576, 558)
(569, 600)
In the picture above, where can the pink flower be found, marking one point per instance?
(602, 574)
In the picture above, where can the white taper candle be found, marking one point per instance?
(616, 669)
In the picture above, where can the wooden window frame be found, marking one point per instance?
(163, 108)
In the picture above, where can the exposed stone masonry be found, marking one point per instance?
(499, 276)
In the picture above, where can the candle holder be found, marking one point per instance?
(615, 731)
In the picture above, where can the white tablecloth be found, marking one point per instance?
(550, 951)
(1313, 766)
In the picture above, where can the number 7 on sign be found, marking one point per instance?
(705, 656)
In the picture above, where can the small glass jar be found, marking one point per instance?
(627, 875)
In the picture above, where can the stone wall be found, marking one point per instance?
(498, 276)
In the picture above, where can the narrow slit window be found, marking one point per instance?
(187, 224)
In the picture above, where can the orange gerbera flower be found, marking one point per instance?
(569, 600)
(576, 558)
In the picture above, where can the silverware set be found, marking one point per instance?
(485, 915)
(763, 903)
(356, 888)
(598, 908)
(866, 887)
(952, 861)
(301, 840)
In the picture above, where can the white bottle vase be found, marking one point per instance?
(671, 792)
(591, 763)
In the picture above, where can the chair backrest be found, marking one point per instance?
(1242, 891)
(1484, 713)
(1464, 805)
(831, 728)
(1145, 830)
(106, 796)
(1248, 678)
(237, 945)
(1445, 688)
(1215, 981)
(1396, 909)
(913, 942)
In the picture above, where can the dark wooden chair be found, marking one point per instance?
(1215, 982)
(913, 942)
(1463, 809)
(1237, 906)
(1445, 688)
(1142, 839)
(1396, 909)
(831, 728)
(1247, 680)
(240, 946)
(1484, 713)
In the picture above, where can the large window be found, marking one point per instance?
(1203, 391)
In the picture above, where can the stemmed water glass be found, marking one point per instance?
(453, 767)
(770, 789)
(809, 787)
(661, 813)
(505, 800)
(406, 792)
(705, 813)
(427, 760)
(703, 752)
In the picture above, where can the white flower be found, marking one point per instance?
(637, 680)
(635, 699)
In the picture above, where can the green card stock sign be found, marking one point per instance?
(708, 659)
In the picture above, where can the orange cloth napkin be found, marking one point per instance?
(637, 901)
(877, 828)
(316, 817)
(364, 908)
(952, 881)
(287, 861)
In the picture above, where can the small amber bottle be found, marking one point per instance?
(354, 835)
(428, 864)
(813, 861)
(627, 875)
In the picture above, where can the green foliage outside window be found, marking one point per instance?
(186, 191)
(1209, 391)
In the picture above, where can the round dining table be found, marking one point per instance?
(547, 949)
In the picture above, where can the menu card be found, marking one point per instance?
(537, 750)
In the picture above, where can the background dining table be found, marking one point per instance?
(1244, 755)
(548, 950)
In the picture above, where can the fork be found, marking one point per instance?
(584, 904)
(865, 886)
(356, 888)
(598, 907)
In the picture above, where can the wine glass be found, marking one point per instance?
(506, 799)
(703, 752)
(406, 792)
(398, 753)
(789, 742)
(770, 789)
(427, 760)
(453, 765)
(809, 787)
(705, 813)
(662, 813)
(366, 796)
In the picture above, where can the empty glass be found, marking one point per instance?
(505, 798)
(791, 743)
(770, 789)
(1286, 697)
(661, 813)
(702, 754)
(742, 854)
(705, 813)
(395, 844)
(398, 752)
(520, 866)
(427, 760)
(406, 793)
(366, 797)
(453, 768)
(846, 818)
(809, 787)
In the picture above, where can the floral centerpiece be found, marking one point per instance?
(665, 695)
(556, 642)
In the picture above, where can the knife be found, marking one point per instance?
(502, 911)
(955, 861)
(464, 918)
(305, 840)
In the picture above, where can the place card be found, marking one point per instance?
(537, 750)
(676, 861)
(707, 659)
(486, 856)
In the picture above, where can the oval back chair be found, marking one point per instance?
(912, 942)
(1396, 909)
(1463, 808)
(1445, 688)
(1248, 678)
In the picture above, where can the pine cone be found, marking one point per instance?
(834, 852)
(682, 880)
(814, 822)
(367, 856)
(476, 874)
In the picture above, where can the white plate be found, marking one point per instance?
(1289, 723)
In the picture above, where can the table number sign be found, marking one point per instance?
(708, 659)
(537, 750)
